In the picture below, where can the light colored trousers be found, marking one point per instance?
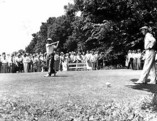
(149, 67)
(25, 64)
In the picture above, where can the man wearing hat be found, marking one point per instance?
(149, 64)
(50, 56)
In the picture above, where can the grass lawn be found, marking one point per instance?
(75, 86)
(89, 85)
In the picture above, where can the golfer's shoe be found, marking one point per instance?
(47, 75)
(140, 82)
(152, 82)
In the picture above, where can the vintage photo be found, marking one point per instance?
(78, 60)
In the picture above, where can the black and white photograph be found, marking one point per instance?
(78, 60)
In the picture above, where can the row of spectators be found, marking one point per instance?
(21, 62)
(135, 59)
(25, 62)
(93, 59)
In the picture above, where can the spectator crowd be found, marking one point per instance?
(135, 59)
(21, 62)
(26, 62)
(94, 60)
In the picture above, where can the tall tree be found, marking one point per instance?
(113, 26)
(60, 30)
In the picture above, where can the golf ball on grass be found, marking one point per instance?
(108, 84)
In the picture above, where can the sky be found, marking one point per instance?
(19, 19)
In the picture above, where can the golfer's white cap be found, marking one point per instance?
(49, 39)
(144, 27)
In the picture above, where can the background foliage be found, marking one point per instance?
(111, 26)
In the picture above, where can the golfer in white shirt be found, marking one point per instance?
(50, 56)
(149, 64)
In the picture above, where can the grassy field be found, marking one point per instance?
(86, 84)
(77, 87)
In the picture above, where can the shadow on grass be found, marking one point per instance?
(144, 87)
(134, 80)
(60, 76)
(52, 76)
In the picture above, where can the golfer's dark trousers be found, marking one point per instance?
(50, 64)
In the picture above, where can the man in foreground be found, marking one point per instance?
(149, 64)
(50, 56)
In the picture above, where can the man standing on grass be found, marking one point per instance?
(149, 64)
(50, 56)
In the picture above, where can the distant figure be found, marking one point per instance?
(56, 61)
(50, 56)
(26, 61)
(130, 59)
(88, 62)
(139, 59)
(149, 64)
(61, 61)
(134, 55)
(19, 63)
(0, 63)
(4, 63)
(65, 62)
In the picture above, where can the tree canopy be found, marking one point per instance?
(111, 26)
